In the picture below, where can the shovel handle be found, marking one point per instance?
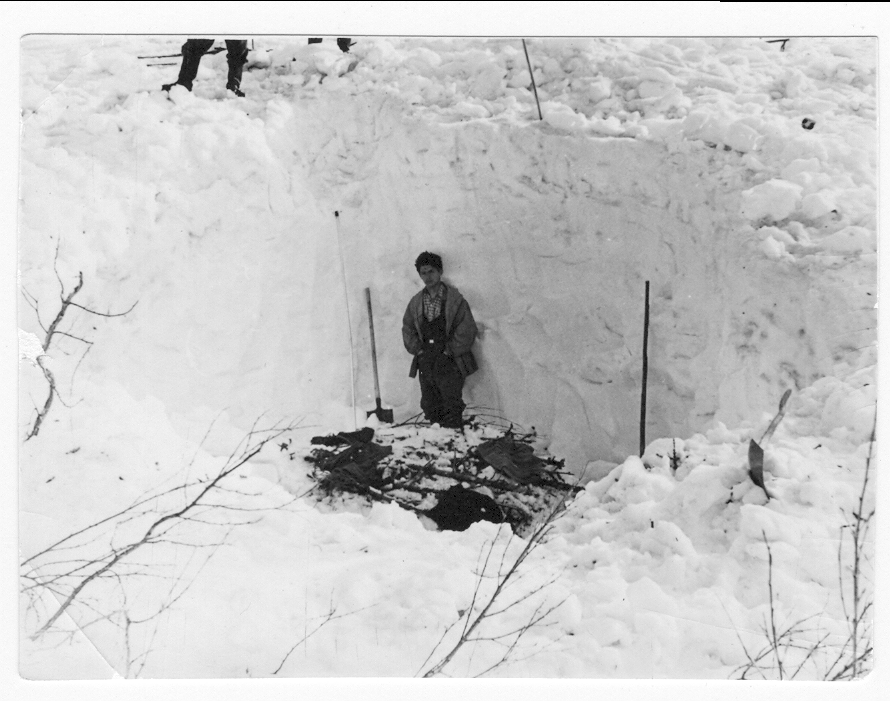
(777, 418)
(373, 347)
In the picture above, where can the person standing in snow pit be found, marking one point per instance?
(194, 49)
(439, 330)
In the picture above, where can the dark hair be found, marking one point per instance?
(427, 258)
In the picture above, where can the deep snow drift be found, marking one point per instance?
(683, 162)
(761, 257)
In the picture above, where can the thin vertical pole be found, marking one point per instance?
(532, 74)
(645, 374)
(348, 318)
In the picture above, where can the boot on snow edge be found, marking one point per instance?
(343, 43)
(167, 86)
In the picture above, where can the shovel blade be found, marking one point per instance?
(755, 465)
(383, 415)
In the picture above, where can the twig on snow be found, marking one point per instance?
(68, 584)
(475, 619)
(852, 659)
(52, 331)
(331, 615)
(772, 611)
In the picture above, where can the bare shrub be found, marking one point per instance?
(54, 330)
(127, 569)
(800, 645)
(494, 594)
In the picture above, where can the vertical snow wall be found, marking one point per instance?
(220, 220)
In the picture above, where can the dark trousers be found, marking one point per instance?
(441, 389)
(194, 49)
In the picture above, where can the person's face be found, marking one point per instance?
(430, 276)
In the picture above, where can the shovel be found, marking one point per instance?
(384, 415)
(755, 452)
(755, 466)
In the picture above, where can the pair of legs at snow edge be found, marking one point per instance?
(194, 49)
(236, 56)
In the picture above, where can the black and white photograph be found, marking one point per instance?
(400, 355)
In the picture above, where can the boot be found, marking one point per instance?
(192, 51)
(236, 58)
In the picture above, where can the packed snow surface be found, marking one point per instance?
(737, 178)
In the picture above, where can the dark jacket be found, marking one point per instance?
(460, 330)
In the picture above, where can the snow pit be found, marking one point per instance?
(681, 162)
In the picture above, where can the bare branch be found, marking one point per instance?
(76, 338)
(64, 403)
(53, 330)
(41, 414)
(77, 367)
(502, 579)
(155, 532)
(772, 613)
(856, 652)
(813, 649)
(56, 269)
(66, 302)
(55, 546)
(505, 658)
(34, 304)
(331, 615)
(858, 544)
(105, 314)
(534, 591)
(476, 589)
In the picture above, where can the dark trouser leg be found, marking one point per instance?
(236, 57)
(192, 51)
(430, 399)
(441, 388)
(451, 384)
